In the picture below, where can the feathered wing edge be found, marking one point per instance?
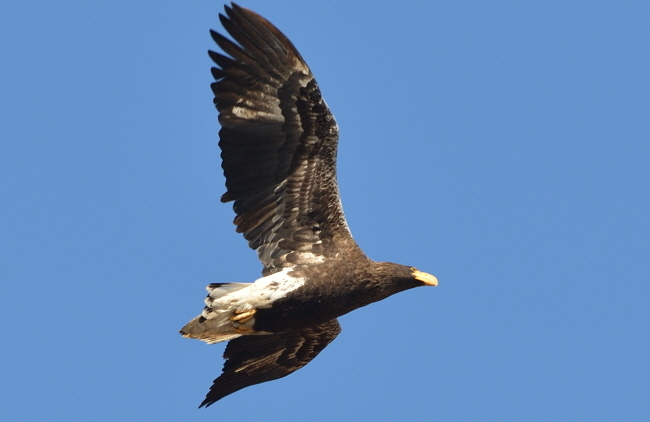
(256, 359)
(278, 140)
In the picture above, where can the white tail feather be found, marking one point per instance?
(216, 291)
(214, 324)
(220, 319)
(206, 330)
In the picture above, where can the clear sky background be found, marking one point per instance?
(502, 146)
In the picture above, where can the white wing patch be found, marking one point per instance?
(249, 114)
(260, 294)
(306, 258)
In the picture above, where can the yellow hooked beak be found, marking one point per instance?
(426, 278)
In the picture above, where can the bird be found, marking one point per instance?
(278, 143)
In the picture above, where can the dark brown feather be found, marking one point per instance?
(278, 142)
(253, 360)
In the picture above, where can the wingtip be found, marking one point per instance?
(226, 197)
(207, 402)
(234, 9)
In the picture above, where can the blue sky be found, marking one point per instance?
(502, 146)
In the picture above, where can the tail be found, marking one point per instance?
(199, 329)
(213, 325)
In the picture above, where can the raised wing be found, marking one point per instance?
(256, 359)
(278, 142)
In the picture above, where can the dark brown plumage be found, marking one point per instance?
(269, 357)
(279, 141)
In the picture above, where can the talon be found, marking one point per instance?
(243, 317)
(243, 330)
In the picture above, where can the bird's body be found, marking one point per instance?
(279, 142)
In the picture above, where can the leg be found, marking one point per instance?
(243, 317)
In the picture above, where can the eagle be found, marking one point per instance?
(278, 143)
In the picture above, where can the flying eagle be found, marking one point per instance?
(278, 140)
